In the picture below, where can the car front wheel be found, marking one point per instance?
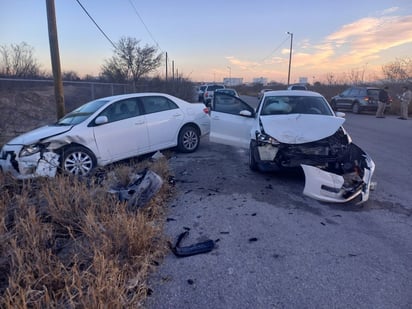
(356, 108)
(252, 160)
(78, 161)
(188, 139)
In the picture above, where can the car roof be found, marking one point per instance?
(363, 87)
(225, 89)
(292, 93)
(133, 95)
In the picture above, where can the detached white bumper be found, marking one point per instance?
(329, 187)
(36, 165)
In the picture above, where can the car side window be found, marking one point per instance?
(155, 104)
(228, 104)
(122, 109)
(345, 93)
(353, 92)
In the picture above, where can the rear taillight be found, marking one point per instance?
(206, 110)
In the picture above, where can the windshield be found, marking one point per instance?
(279, 105)
(227, 91)
(214, 87)
(81, 113)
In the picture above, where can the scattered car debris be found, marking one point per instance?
(201, 247)
(190, 281)
(172, 180)
(157, 156)
(142, 187)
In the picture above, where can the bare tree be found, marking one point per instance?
(355, 77)
(70, 76)
(399, 70)
(130, 62)
(17, 60)
(330, 77)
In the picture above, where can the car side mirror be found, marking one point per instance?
(101, 120)
(340, 114)
(245, 113)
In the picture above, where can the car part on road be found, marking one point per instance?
(142, 187)
(343, 183)
(201, 247)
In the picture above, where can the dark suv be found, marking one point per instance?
(357, 99)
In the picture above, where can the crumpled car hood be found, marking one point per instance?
(300, 128)
(39, 134)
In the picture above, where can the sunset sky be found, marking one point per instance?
(210, 40)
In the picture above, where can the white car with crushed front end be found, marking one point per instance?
(104, 131)
(292, 129)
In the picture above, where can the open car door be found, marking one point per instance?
(231, 121)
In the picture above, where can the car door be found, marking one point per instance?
(352, 97)
(164, 119)
(231, 121)
(344, 99)
(125, 134)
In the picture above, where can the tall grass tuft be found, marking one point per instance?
(68, 243)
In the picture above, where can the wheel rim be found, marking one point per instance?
(190, 140)
(78, 163)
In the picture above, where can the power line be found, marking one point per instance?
(141, 19)
(111, 42)
(278, 47)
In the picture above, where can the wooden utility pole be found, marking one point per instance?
(55, 58)
(166, 65)
(173, 70)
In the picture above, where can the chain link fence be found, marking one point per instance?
(29, 103)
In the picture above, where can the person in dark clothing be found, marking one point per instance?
(383, 100)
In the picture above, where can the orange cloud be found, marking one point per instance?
(354, 45)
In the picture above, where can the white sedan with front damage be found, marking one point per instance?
(292, 129)
(104, 131)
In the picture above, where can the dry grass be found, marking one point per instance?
(67, 243)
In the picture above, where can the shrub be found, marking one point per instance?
(68, 243)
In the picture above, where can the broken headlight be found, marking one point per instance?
(263, 138)
(32, 149)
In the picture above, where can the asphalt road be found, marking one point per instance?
(276, 248)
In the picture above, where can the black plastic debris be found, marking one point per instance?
(201, 247)
(171, 180)
(140, 190)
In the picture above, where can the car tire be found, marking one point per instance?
(356, 108)
(77, 161)
(188, 139)
(253, 165)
